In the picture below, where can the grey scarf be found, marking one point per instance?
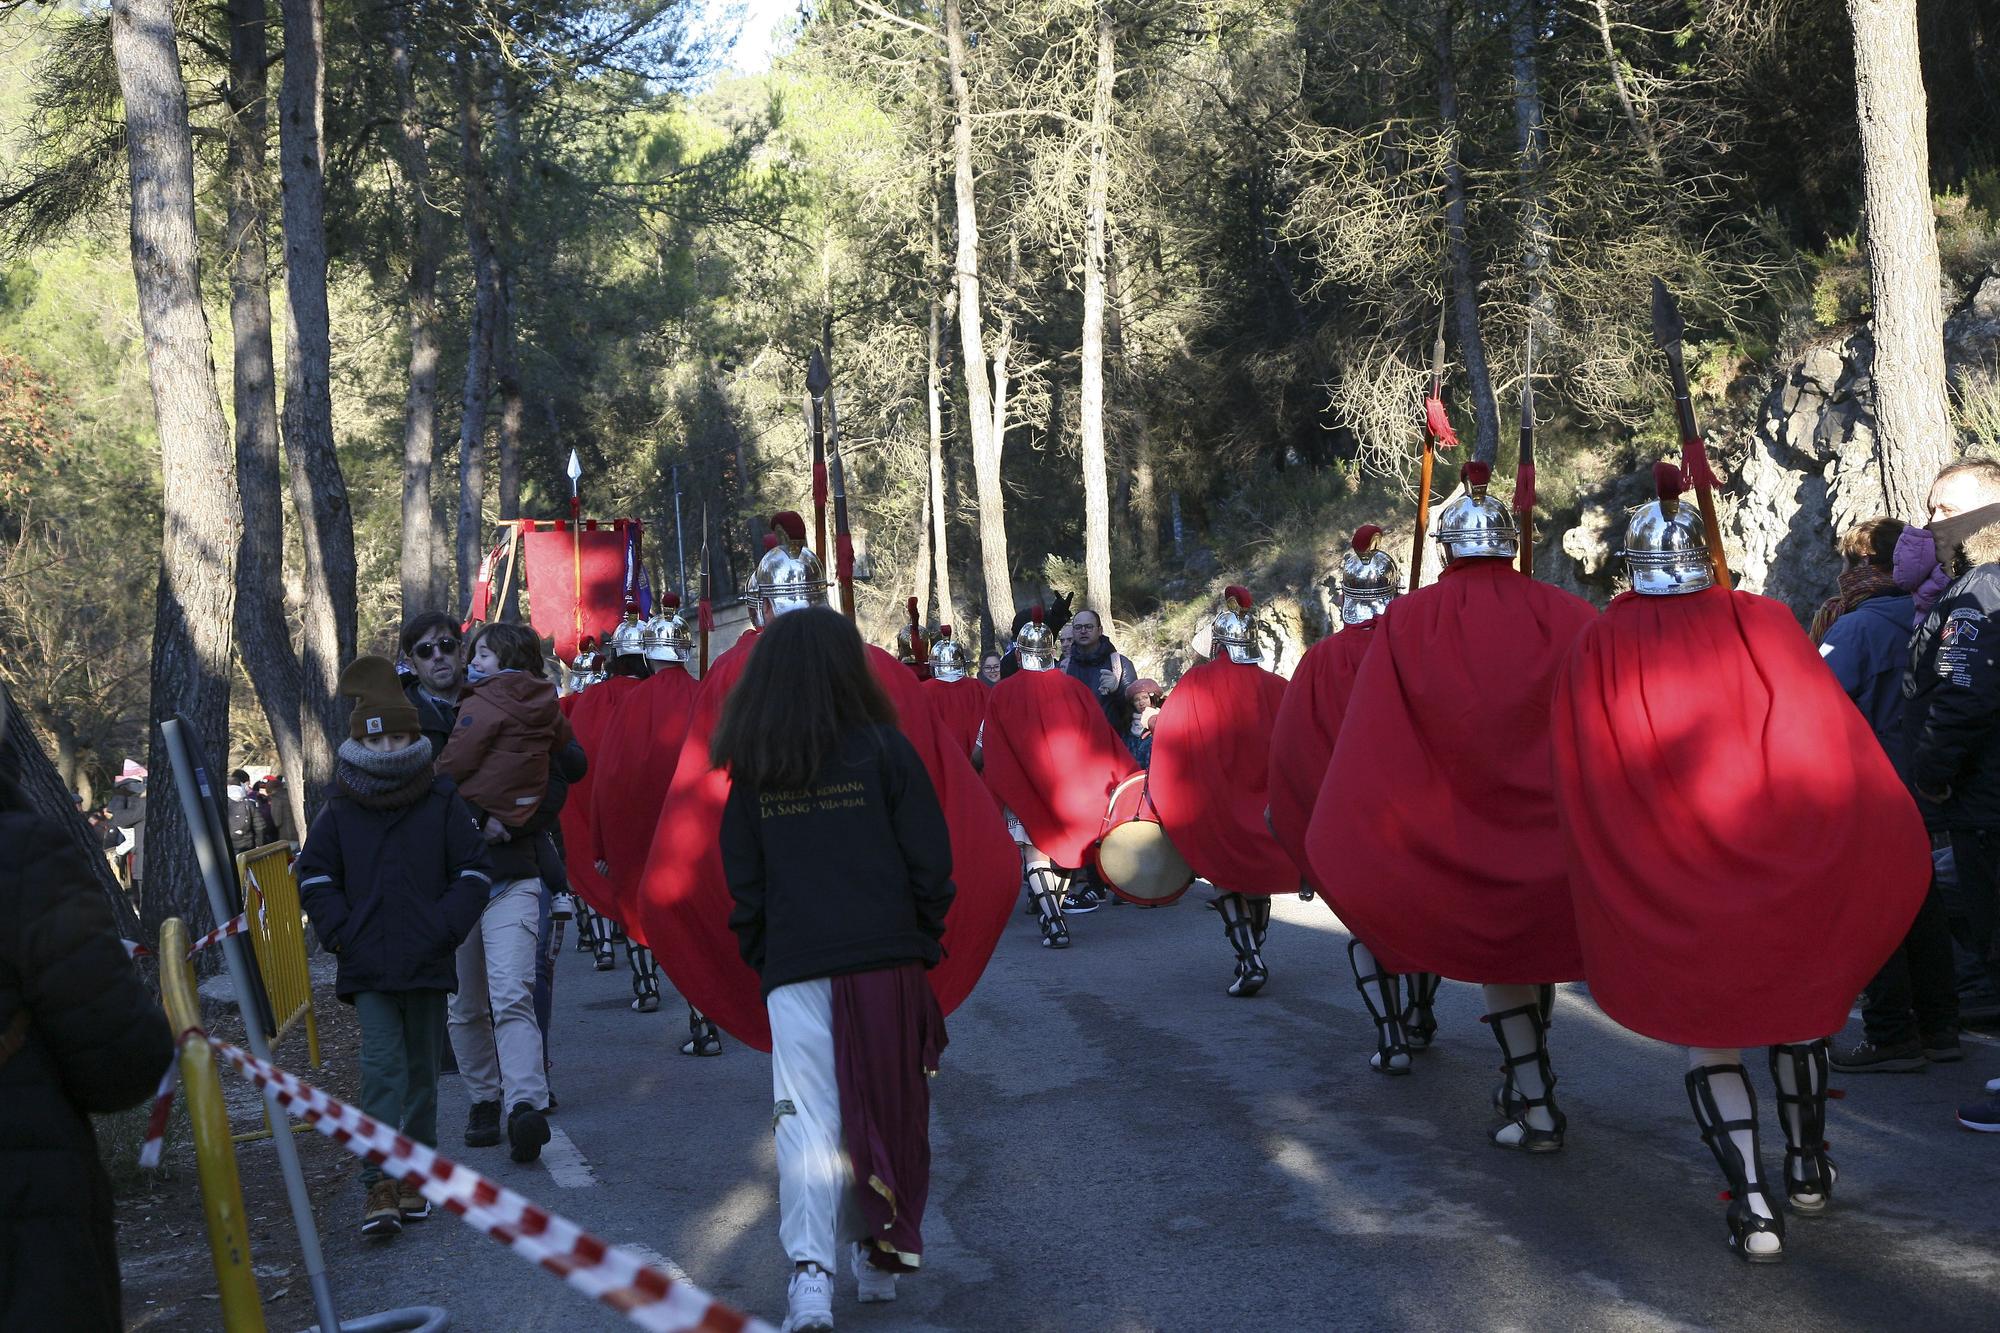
(385, 780)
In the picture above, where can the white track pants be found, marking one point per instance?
(817, 1211)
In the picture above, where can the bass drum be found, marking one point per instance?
(1133, 856)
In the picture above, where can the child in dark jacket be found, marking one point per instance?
(839, 861)
(394, 875)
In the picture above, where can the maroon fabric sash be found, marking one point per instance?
(888, 1034)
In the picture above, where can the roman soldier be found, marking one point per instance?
(1443, 763)
(1047, 752)
(956, 697)
(1742, 854)
(683, 902)
(632, 777)
(1208, 780)
(590, 717)
(1301, 748)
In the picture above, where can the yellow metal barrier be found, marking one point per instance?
(215, 1156)
(277, 934)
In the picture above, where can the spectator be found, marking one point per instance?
(430, 643)
(128, 812)
(249, 826)
(494, 1028)
(1145, 697)
(989, 668)
(1909, 1014)
(1951, 697)
(278, 800)
(79, 1036)
(840, 945)
(393, 874)
(1096, 661)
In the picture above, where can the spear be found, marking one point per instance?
(1437, 430)
(575, 471)
(1668, 329)
(843, 541)
(704, 615)
(818, 380)
(1524, 470)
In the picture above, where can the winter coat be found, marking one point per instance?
(880, 901)
(509, 726)
(436, 718)
(1951, 702)
(1868, 649)
(128, 811)
(1117, 708)
(393, 893)
(93, 1041)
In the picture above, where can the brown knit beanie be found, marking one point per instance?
(380, 707)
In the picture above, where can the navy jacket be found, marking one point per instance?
(1868, 649)
(1951, 701)
(394, 892)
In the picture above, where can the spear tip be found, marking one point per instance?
(1668, 326)
(818, 378)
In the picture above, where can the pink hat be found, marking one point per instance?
(1142, 687)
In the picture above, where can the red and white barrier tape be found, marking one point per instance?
(134, 949)
(605, 1272)
(236, 925)
(156, 1121)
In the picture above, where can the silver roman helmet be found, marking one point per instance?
(587, 667)
(1036, 644)
(1475, 523)
(1369, 579)
(667, 636)
(629, 639)
(949, 660)
(1666, 551)
(1235, 627)
(789, 576)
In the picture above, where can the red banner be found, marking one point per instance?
(554, 554)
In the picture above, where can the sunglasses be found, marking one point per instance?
(424, 652)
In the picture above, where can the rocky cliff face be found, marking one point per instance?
(1796, 473)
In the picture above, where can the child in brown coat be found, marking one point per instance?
(509, 725)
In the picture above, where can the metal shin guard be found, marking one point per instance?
(1260, 918)
(1238, 925)
(586, 928)
(1513, 1099)
(703, 1039)
(645, 977)
(1799, 1072)
(1378, 993)
(1419, 1016)
(606, 950)
(1721, 1137)
(1046, 885)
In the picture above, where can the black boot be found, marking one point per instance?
(586, 928)
(1514, 1100)
(645, 977)
(1046, 885)
(1378, 992)
(703, 1039)
(1720, 1136)
(1419, 1019)
(609, 932)
(1237, 924)
(1809, 1172)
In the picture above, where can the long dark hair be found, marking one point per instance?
(807, 688)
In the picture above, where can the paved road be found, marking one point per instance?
(1120, 1146)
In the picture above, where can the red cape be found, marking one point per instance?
(1052, 759)
(1303, 736)
(640, 747)
(959, 706)
(1437, 817)
(684, 902)
(1742, 855)
(1210, 774)
(590, 717)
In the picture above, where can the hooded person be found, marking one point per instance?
(1210, 771)
(634, 768)
(1721, 800)
(957, 698)
(1302, 742)
(684, 902)
(1050, 757)
(604, 686)
(1444, 759)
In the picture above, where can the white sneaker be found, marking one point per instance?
(809, 1302)
(872, 1285)
(562, 908)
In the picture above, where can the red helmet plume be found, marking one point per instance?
(1035, 613)
(788, 522)
(1238, 594)
(1476, 474)
(1364, 538)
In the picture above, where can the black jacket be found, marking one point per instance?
(435, 718)
(96, 1042)
(1951, 698)
(394, 892)
(850, 875)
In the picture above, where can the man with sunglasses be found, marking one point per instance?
(430, 643)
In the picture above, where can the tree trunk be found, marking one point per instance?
(506, 355)
(319, 491)
(986, 445)
(424, 233)
(479, 353)
(263, 633)
(197, 589)
(1913, 423)
(939, 509)
(45, 794)
(920, 585)
(1641, 132)
(1144, 510)
(1465, 289)
(1096, 477)
(1531, 141)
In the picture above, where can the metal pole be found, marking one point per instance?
(191, 784)
(680, 547)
